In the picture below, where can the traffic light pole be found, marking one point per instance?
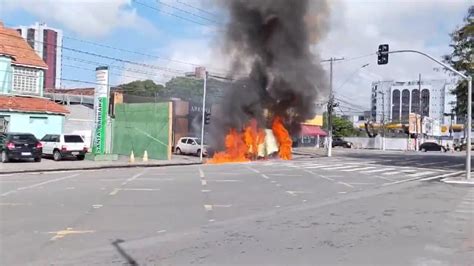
(203, 115)
(469, 102)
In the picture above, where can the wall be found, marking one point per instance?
(143, 126)
(5, 75)
(49, 56)
(80, 120)
(376, 143)
(37, 124)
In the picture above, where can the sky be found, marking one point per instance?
(162, 39)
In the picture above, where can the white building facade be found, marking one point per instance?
(393, 101)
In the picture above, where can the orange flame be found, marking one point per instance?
(283, 138)
(243, 146)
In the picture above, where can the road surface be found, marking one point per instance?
(367, 208)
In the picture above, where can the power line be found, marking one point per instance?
(169, 13)
(197, 8)
(187, 12)
(100, 56)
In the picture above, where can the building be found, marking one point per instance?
(47, 42)
(22, 107)
(393, 101)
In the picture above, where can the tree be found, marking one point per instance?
(461, 58)
(341, 127)
(146, 88)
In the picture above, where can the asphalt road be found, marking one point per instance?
(366, 208)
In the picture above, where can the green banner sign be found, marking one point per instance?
(101, 125)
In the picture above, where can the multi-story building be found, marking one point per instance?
(22, 107)
(393, 101)
(47, 42)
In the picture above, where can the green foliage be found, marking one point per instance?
(462, 42)
(341, 127)
(142, 88)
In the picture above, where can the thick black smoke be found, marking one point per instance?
(271, 40)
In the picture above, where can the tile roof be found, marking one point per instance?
(30, 104)
(13, 45)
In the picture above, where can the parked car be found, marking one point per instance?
(64, 145)
(19, 146)
(463, 147)
(189, 145)
(432, 146)
(338, 142)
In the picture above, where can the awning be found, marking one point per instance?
(309, 130)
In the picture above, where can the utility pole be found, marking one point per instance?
(331, 104)
(203, 114)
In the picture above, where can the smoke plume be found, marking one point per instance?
(270, 41)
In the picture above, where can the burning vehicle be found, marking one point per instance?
(272, 42)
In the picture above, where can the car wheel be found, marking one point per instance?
(57, 155)
(80, 157)
(4, 157)
(423, 150)
(38, 159)
(198, 152)
(178, 151)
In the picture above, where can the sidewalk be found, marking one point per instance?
(48, 165)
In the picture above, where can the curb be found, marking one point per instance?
(96, 168)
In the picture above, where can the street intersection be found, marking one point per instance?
(353, 208)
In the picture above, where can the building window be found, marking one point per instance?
(425, 102)
(405, 104)
(30, 37)
(396, 105)
(415, 101)
(25, 80)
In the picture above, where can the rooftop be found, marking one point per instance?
(14, 46)
(31, 105)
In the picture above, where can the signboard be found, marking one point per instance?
(100, 110)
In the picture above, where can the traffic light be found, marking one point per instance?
(207, 118)
(382, 54)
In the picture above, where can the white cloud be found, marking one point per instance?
(88, 18)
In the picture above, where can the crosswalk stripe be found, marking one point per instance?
(420, 174)
(317, 166)
(337, 167)
(358, 169)
(392, 173)
(378, 170)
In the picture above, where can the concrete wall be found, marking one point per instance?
(37, 124)
(376, 143)
(5, 75)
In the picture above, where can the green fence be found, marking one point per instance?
(140, 127)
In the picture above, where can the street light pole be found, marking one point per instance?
(383, 120)
(203, 114)
(469, 101)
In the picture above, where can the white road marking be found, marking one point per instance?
(360, 183)
(317, 166)
(358, 169)
(284, 174)
(39, 184)
(201, 172)
(342, 192)
(392, 173)
(319, 175)
(225, 181)
(338, 167)
(273, 181)
(135, 176)
(136, 189)
(208, 207)
(222, 205)
(278, 185)
(277, 206)
(114, 192)
(96, 206)
(206, 190)
(401, 181)
(203, 182)
(265, 176)
(254, 170)
(345, 184)
(378, 170)
(70, 188)
(420, 174)
(212, 220)
(294, 193)
(441, 176)
(161, 231)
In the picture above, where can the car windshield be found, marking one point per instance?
(23, 137)
(73, 139)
